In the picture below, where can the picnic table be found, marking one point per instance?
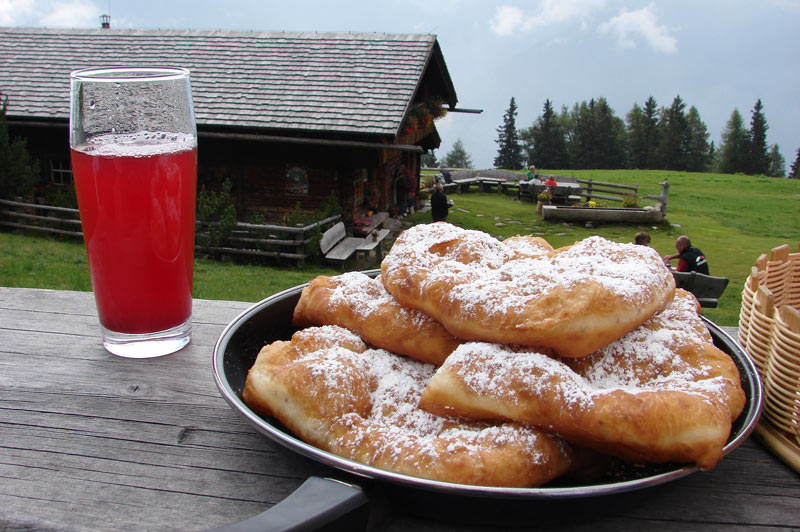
(563, 192)
(89, 441)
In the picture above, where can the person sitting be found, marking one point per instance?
(532, 173)
(439, 205)
(690, 259)
(551, 181)
(642, 239)
(446, 177)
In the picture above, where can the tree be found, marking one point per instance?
(598, 139)
(734, 145)
(610, 137)
(509, 151)
(794, 172)
(673, 133)
(429, 160)
(757, 156)
(545, 144)
(777, 164)
(698, 156)
(637, 150)
(457, 157)
(17, 171)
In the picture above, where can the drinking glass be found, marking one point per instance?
(133, 146)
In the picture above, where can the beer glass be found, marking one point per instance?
(133, 146)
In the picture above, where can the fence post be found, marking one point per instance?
(589, 191)
(300, 246)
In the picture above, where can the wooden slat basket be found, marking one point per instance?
(769, 330)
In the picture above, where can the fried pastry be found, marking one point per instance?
(573, 300)
(333, 392)
(662, 393)
(362, 305)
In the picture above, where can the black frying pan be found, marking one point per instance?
(320, 501)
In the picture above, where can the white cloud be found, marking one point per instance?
(53, 13)
(509, 19)
(13, 11)
(71, 14)
(631, 26)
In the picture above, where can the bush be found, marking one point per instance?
(17, 171)
(58, 195)
(218, 213)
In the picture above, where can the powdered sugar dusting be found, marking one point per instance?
(399, 385)
(395, 425)
(503, 280)
(649, 359)
(365, 296)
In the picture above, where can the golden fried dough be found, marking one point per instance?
(362, 305)
(662, 393)
(572, 300)
(361, 404)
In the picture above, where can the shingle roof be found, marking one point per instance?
(332, 82)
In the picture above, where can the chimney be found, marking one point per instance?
(105, 21)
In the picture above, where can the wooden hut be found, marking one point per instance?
(291, 119)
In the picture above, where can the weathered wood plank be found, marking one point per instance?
(89, 441)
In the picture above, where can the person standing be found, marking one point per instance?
(439, 205)
(690, 258)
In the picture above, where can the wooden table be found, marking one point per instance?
(89, 441)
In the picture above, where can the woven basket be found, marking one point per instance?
(769, 330)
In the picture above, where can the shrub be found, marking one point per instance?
(218, 213)
(17, 171)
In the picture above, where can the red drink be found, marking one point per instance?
(137, 200)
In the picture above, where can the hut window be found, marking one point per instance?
(60, 172)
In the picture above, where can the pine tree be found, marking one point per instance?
(583, 140)
(429, 160)
(777, 164)
(610, 137)
(697, 150)
(671, 152)
(757, 156)
(547, 138)
(650, 131)
(634, 121)
(17, 171)
(509, 151)
(734, 148)
(794, 172)
(457, 157)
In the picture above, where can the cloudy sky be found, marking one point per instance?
(716, 54)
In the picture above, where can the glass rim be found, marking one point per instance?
(129, 74)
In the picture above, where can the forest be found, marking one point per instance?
(590, 135)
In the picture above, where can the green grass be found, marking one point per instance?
(34, 261)
(732, 218)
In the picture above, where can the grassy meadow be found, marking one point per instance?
(732, 218)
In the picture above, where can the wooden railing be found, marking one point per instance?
(256, 240)
(606, 191)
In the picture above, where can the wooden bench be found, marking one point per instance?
(706, 288)
(336, 246)
(485, 184)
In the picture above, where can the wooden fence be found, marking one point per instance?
(256, 240)
(589, 190)
(607, 191)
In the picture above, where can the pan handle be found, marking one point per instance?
(316, 503)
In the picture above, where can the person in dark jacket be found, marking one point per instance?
(439, 205)
(690, 259)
